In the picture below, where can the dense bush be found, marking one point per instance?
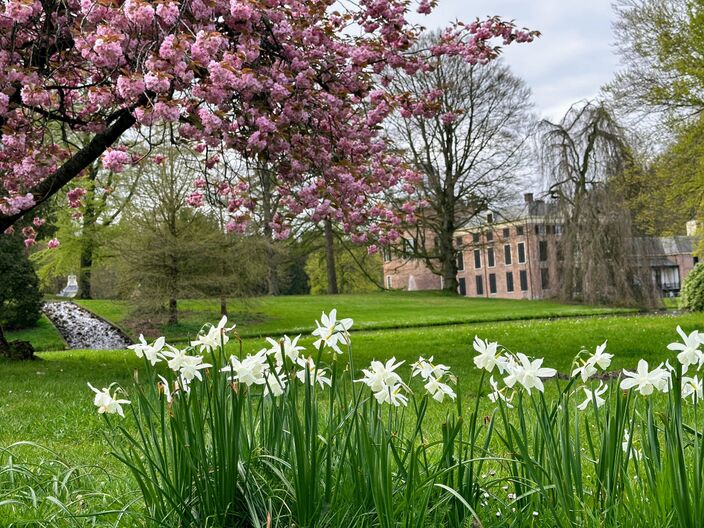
(692, 296)
(20, 299)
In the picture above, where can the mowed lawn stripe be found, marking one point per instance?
(264, 316)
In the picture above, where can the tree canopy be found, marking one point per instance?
(301, 82)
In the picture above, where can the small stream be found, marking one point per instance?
(83, 330)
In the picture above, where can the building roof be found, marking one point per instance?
(666, 246)
(512, 214)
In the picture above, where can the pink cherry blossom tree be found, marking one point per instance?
(302, 82)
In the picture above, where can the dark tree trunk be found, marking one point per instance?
(87, 243)
(4, 345)
(84, 277)
(447, 256)
(173, 311)
(330, 258)
(267, 216)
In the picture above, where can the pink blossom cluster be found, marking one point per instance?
(280, 79)
(75, 196)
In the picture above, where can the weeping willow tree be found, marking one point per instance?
(601, 262)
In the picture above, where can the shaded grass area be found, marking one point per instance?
(44, 336)
(295, 314)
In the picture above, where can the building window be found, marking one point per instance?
(488, 236)
(462, 286)
(490, 257)
(558, 229)
(458, 241)
(490, 218)
(388, 282)
(460, 261)
(507, 232)
(543, 249)
(523, 278)
(521, 252)
(477, 258)
(507, 254)
(409, 246)
(475, 238)
(519, 231)
(509, 281)
(544, 278)
(492, 282)
(387, 254)
(480, 285)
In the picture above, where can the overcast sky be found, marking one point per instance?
(571, 60)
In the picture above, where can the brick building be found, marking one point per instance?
(515, 256)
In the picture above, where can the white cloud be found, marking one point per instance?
(570, 61)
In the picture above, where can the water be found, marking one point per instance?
(83, 330)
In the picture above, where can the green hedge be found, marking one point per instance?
(692, 294)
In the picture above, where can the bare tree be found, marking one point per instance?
(470, 153)
(583, 157)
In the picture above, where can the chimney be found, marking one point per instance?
(528, 197)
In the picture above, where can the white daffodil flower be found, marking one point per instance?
(164, 387)
(285, 348)
(589, 366)
(307, 372)
(439, 390)
(624, 445)
(251, 370)
(275, 383)
(488, 357)
(392, 394)
(426, 369)
(151, 352)
(215, 336)
(183, 384)
(108, 403)
(645, 381)
(601, 358)
(175, 358)
(527, 373)
(692, 387)
(586, 371)
(593, 396)
(381, 375)
(690, 354)
(191, 367)
(331, 332)
(498, 394)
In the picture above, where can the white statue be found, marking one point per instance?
(71, 288)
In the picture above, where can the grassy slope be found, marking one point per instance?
(44, 336)
(295, 314)
(48, 401)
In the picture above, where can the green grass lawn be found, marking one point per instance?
(44, 336)
(294, 314)
(48, 402)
